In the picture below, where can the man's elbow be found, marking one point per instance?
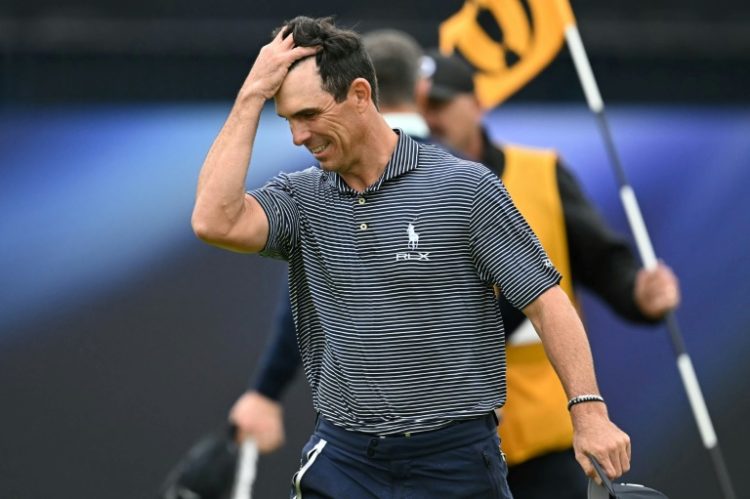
(242, 228)
(208, 230)
(227, 236)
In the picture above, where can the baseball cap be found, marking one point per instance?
(609, 490)
(450, 75)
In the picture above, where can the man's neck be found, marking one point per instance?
(474, 149)
(377, 147)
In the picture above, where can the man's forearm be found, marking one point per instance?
(564, 340)
(220, 197)
(567, 347)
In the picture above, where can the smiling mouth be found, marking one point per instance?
(318, 149)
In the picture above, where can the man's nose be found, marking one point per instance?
(300, 133)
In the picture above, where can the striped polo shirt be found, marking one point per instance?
(392, 288)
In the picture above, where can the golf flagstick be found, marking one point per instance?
(645, 248)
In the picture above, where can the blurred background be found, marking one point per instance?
(123, 338)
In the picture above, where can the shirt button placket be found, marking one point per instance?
(361, 201)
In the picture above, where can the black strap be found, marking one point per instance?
(603, 476)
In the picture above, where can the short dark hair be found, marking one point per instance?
(342, 58)
(396, 56)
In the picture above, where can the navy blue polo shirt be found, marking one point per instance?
(391, 288)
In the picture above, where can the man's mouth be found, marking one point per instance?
(318, 149)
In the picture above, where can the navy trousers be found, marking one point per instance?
(462, 460)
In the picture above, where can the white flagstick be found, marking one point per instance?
(645, 248)
(246, 468)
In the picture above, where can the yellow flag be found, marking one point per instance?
(534, 35)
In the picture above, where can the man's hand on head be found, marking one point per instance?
(272, 65)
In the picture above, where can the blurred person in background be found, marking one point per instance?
(535, 429)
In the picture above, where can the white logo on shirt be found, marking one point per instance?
(413, 244)
(413, 237)
(422, 257)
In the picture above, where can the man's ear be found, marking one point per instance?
(361, 92)
(422, 93)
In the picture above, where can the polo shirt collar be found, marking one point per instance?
(404, 158)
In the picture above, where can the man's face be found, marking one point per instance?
(454, 121)
(326, 128)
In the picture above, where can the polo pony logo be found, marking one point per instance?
(413, 246)
(531, 35)
(413, 237)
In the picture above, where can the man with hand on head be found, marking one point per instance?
(396, 58)
(405, 382)
(535, 431)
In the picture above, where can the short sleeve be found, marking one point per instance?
(506, 251)
(277, 200)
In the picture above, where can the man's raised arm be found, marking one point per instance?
(224, 214)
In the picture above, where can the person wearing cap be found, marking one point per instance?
(535, 430)
(383, 238)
